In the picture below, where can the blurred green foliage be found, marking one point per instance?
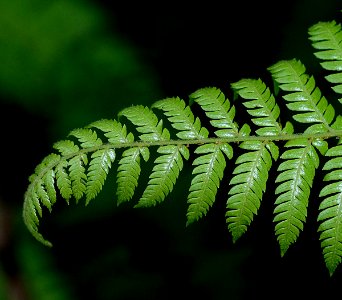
(61, 58)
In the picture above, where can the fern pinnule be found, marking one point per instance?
(326, 37)
(330, 215)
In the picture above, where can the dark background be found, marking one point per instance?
(65, 64)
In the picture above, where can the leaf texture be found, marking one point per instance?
(326, 37)
(251, 172)
(294, 181)
(330, 209)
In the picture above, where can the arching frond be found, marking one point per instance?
(170, 132)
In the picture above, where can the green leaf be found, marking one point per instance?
(260, 104)
(208, 171)
(147, 123)
(248, 185)
(218, 109)
(294, 182)
(164, 175)
(100, 163)
(330, 210)
(182, 118)
(128, 172)
(302, 95)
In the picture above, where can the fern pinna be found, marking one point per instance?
(292, 127)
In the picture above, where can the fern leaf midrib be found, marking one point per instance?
(235, 139)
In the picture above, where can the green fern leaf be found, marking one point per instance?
(295, 180)
(167, 166)
(97, 172)
(298, 169)
(78, 177)
(303, 96)
(330, 215)
(40, 193)
(209, 170)
(260, 104)
(129, 164)
(251, 171)
(128, 172)
(164, 174)
(147, 123)
(248, 186)
(68, 173)
(327, 38)
(63, 180)
(209, 165)
(182, 118)
(218, 110)
(114, 131)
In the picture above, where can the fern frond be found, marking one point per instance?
(326, 37)
(84, 160)
(330, 215)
